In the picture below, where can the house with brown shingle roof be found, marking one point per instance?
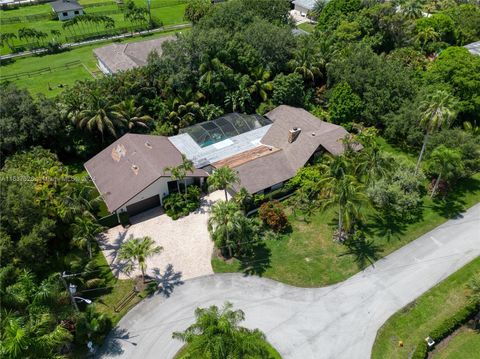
(114, 58)
(265, 151)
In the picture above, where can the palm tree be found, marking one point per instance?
(437, 111)
(224, 222)
(427, 35)
(136, 251)
(85, 229)
(97, 116)
(55, 34)
(308, 60)
(187, 166)
(446, 163)
(412, 9)
(261, 83)
(217, 334)
(343, 190)
(7, 39)
(130, 115)
(223, 178)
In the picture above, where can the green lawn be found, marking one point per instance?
(307, 27)
(54, 82)
(308, 257)
(170, 12)
(184, 352)
(413, 323)
(464, 344)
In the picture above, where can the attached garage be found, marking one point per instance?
(143, 205)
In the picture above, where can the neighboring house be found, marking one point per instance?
(67, 9)
(121, 57)
(265, 152)
(474, 48)
(304, 6)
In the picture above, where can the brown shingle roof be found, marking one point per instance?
(268, 170)
(131, 164)
(121, 57)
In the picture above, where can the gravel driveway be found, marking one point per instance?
(187, 248)
(337, 322)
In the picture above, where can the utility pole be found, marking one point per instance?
(72, 299)
(149, 12)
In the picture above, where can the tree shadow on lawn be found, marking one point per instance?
(453, 204)
(258, 263)
(364, 251)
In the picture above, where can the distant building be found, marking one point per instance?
(474, 48)
(304, 6)
(67, 9)
(121, 57)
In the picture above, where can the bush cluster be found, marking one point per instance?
(178, 205)
(273, 215)
(446, 328)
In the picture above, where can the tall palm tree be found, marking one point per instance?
(216, 334)
(437, 111)
(224, 222)
(7, 39)
(446, 163)
(85, 229)
(97, 116)
(349, 195)
(223, 178)
(261, 85)
(136, 251)
(130, 115)
(176, 174)
(187, 166)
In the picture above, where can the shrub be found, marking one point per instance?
(178, 205)
(446, 328)
(273, 215)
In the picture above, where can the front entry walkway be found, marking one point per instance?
(186, 243)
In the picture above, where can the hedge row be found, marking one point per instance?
(446, 328)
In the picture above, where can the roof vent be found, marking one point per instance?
(118, 152)
(148, 145)
(135, 169)
(313, 133)
(293, 134)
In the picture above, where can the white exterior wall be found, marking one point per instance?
(160, 187)
(70, 14)
(103, 67)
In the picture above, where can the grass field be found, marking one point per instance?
(413, 323)
(464, 344)
(52, 83)
(170, 13)
(307, 27)
(308, 257)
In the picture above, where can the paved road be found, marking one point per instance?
(339, 321)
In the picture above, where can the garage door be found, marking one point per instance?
(143, 205)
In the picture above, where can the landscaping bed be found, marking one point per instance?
(184, 353)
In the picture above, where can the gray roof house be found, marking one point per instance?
(265, 151)
(67, 9)
(121, 57)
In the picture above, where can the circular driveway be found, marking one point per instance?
(340, 321)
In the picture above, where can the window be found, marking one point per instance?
(77, 12)
(65, 13)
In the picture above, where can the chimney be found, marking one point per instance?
(293, 134)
